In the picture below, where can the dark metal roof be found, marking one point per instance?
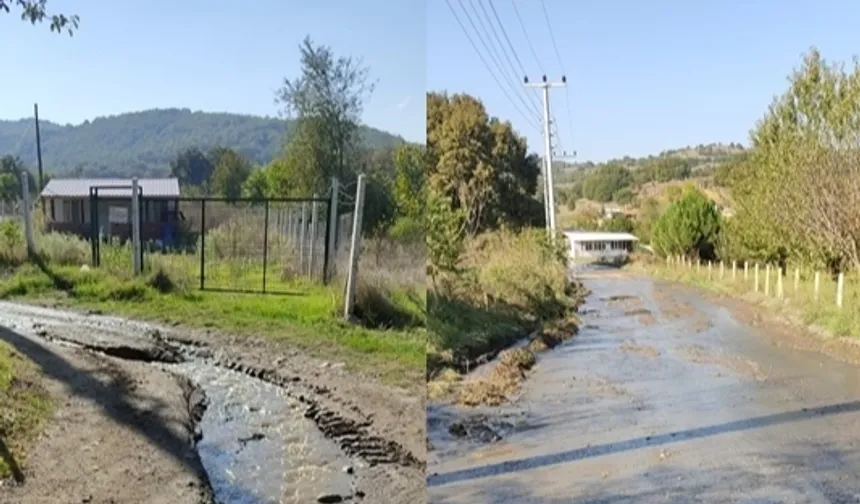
(80, 188)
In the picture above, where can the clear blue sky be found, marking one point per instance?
(643, 76)
(212, 55)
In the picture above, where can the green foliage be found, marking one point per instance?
(192, 167)
(792, 192)
(10, 179)
(256, 185)
(328, 99)
(649, 212)
(690, 226)
(35, 11)
(480, 164)
(619, 224)
(144, 143)
(623, 196)
(231, 172)
(446, 232)
(604, 183)
(410, 181)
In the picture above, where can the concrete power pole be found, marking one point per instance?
(544, 85)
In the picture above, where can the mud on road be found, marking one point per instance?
(149, 414)
(666, 395)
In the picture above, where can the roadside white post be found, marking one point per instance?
(710, 269)
(734, 270)
(779, 291)
(354, 249)
(27, 211)
(746, 270)
(817, 285)
(135, 225)
(840, 289)
(722, 270)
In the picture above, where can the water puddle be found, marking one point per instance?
(257, 447)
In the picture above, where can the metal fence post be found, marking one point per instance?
(302, 236)
(27, 214)
(265, 243)
(135, 226)
(202, 244)
(354, 249)
(331, 232)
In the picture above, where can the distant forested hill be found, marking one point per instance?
(145, 142)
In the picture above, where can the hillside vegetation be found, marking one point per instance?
(144, 143)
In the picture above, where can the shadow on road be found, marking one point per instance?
(114, 397)
(537, 462)
(11, 463)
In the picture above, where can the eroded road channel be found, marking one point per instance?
(144, 417)
(667, 394)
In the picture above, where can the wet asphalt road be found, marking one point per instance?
(662, 397)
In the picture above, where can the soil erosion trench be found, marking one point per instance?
(250, 438)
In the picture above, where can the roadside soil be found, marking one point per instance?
(381, 426)
(121, 432)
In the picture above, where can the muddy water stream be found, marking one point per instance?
(662, 397)
(255, 443)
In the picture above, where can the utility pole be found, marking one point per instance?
(544, 85)
(39, 155)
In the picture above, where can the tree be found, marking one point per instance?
(35, 11)
(618, 224)
(606, 181)
(328, 97)
(11, 169)
(410, 181)
(690, 226)
(802, 173)
(192, 167)
(257, 184)
(480, 164)
(230, 174)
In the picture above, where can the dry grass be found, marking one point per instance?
(509, 285)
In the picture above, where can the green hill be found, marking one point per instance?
(145, 142)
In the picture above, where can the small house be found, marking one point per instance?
(600, 246)
(68, 207)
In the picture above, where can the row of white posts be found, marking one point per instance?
(354, 246)
(780, 291)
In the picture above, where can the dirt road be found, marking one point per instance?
(666, 395)
(148, 414)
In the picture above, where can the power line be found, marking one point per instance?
(560, 64)
(526, 33)
(522, 72)
(487, 66)
(493, 55)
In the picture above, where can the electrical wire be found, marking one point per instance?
(560, 64)
(487, 66)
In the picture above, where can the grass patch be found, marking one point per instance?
(798, 303)
(24, 409)
(510, 285)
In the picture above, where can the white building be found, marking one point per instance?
(599, 246)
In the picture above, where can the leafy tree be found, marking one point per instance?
(446, 232)
(10, 179)
(618, 224)
(649, 211)
(606, 181)
(257, 184)
(328, 97)
(231, 172)
(192, 167)
(690, 226)
(409, 181)
(479, 164)
(623, 195)
(35, 11)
